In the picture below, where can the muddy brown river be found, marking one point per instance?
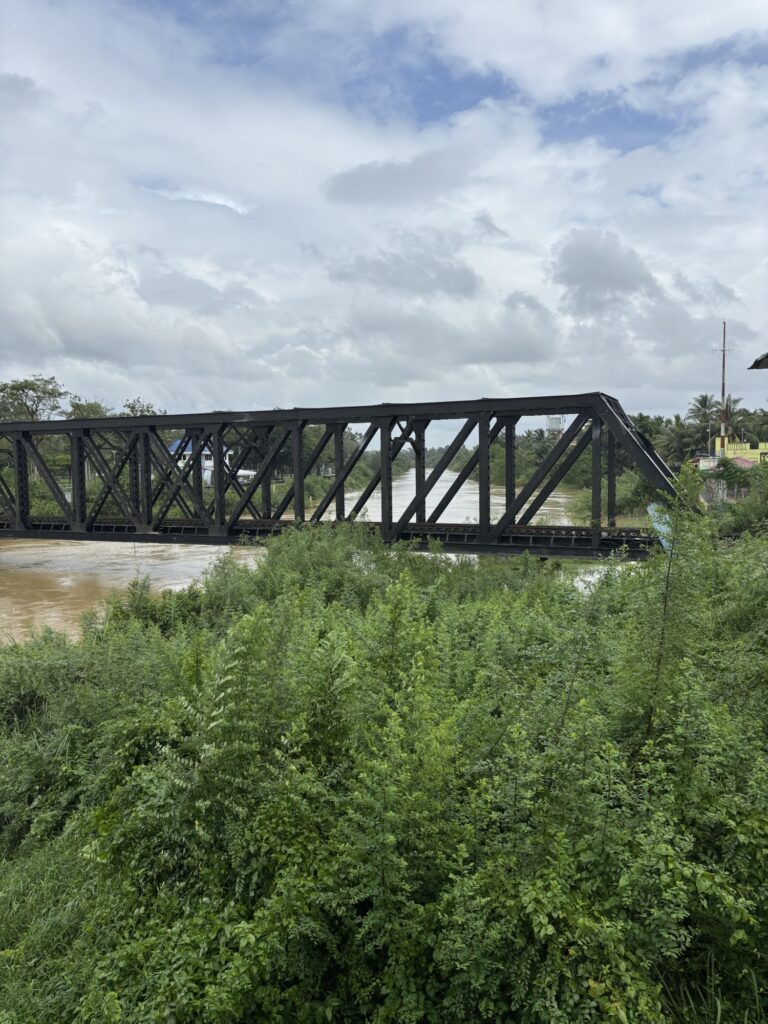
(52, 582)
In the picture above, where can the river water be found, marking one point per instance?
(463, 509)
(52, 582)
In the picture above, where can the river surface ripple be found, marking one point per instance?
(52, 582)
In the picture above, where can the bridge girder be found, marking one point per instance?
(207, 477)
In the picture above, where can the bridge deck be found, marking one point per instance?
(559, 541)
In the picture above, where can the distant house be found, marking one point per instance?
(744, 454)
(173, 447)
(752, 452)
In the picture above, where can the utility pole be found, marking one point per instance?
(722, 401)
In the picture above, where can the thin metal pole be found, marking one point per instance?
(722, 402)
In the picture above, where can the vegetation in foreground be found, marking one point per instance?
(359, 784)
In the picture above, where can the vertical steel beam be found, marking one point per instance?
(338, 467)
(386, 477)
(597, 476)
(266, 483)
(466, 470)
(197, 468)
(21, 483)
(484, 464)
(510, 470)
(611, 479)
(343, 474)
(77, 465)
(219, 527)
(134, 482)
(420, 451)
(144, 468)
(298, 471)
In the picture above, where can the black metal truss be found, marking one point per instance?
(209, 477)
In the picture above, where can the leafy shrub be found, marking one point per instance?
(360, 784)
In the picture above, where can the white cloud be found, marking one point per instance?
(551, 50)
(210, 235)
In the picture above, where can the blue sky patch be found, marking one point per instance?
(615, 124)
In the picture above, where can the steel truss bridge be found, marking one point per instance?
(208, 478)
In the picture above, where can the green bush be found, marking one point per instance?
(633, 495)
(361, 784)
(748, 514)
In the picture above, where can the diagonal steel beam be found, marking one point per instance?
(341, 478)
(542, 471)
(50, 480)
(175, 457)
(397, 446)
(264, 467)
(315, 454)
(557, 475)
(165, 467)
(461, 477)
(230, 477)
(645, 456)
(110, 480)
(181, 481)
(6, 497)
(442, 464)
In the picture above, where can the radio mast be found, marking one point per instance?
(722, 401)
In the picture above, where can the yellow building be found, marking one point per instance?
(754, 451)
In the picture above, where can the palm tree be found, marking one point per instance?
(702, 409)
(677, 440)
(734, 417)
(703, 414)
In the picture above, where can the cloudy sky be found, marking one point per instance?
(251, 203)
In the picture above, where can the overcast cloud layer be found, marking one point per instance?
(250, 204)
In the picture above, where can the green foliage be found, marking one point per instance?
(633, 494)
(31, 398)
(749, 513)
(360, 784)
(140, 407)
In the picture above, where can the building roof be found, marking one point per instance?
(761, 363)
